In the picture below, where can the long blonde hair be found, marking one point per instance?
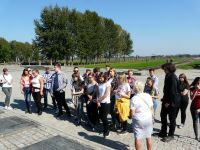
(122, 78)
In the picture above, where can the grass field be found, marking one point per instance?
(141, 64)
(192, 65)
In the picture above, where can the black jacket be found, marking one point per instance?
(171, 90)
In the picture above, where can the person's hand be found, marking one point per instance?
(198, 110)
(89, 97)
(98, 104)
(22, 92)
(166, 105)
(41, 93)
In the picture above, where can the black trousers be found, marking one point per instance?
(103, 114)
(60, 98)
(112, 110)
(37, 99)
(92, 112)
(183, 107)
(123, 124)
(171, 112)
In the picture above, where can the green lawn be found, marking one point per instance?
(141, 64)
(191, 65)
(131, 65)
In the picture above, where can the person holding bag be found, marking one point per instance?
(6, 79)
(122, 104)
(141, 111)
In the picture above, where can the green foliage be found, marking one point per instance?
(4, 50)
(63, 34)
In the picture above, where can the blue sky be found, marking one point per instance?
(156, 26)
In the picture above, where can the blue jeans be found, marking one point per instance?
(79, 108)
(27, 96)
(46, 91)
(155, 104)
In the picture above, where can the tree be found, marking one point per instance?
(4, 51)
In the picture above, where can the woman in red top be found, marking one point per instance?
(195, 105)
(25, 85)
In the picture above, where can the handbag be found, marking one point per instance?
(1, 84)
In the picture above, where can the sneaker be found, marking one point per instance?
(6, 107)
(10, 108)
(181, 126)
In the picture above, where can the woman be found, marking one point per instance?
(77, 96)
(184, 89)
(6, 79)
(195, 105)
(37, 89)
(151, 90)
(25, 86)
(91, 101)
(103, 101)
(122, 96)
(141, 112)
(113, 80)
(131, 81)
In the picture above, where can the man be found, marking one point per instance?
(154, 78)
(170, 102)
(59, 83)
(47, 88)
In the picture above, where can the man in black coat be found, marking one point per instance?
(170, 102)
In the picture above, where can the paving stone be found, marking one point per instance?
(57, 143)
(10, 124)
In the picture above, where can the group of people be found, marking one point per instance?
(119, 94)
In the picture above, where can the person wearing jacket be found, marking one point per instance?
(170, 102)
(59, 83)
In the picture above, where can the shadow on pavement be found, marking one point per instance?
(106, 142)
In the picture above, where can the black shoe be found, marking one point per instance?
(39, 113)
(113, 127)
(168, 139)
(69, 114)
(78, 123)
(59, 114)
(26, 111)
(106, 134)
(122, 132)
(161, 135)
(45, 106)
(29, 111)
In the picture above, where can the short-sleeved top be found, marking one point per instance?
(141, 103)
(196, 101)
(77, 86)
(122, 89)
(7, 79)
(102, 90)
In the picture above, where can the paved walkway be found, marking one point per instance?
(30, 131)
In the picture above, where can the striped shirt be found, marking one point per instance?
(47, 80)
